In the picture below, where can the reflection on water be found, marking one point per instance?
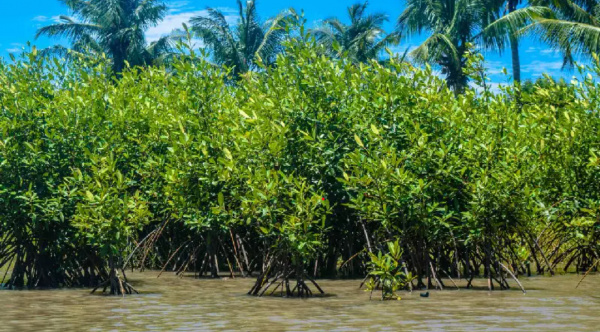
(174, 304)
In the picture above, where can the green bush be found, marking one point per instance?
(289, 171)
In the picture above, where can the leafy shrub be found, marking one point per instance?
(385, 272)
(290, 170)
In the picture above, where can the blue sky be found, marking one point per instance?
(21, 19)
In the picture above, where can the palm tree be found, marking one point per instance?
(114, 27)
(506, 30)
(508, 7)
(243, 47)
(511, 6)
(453, 25)
(570, 26)
(362, 40)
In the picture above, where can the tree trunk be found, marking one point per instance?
(514, 47)
(212, 255)
(516, 61)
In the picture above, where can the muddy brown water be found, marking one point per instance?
(187, 304)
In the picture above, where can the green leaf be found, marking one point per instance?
(246, 116)
(358, 141)
(374, 129)
(227, 154)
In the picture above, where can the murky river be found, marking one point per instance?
(188, 304)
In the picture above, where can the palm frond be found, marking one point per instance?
(356, 11)
(434, 47)
(216, 33)
(213, 29)
(159, 47)
(361, 40)
(577, 38)
(570, 10)
(416, 17)
(68, 29)
(336, 25)
(496, 35)
(272, 37)
(392, 39)
(58, 51)
(68, 54)
(149, 13)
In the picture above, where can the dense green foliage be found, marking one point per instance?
(295, 168)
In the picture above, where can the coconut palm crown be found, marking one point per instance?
(569, 26)
(452, 26)
(114, 27)
(245, 45)
(362, 40)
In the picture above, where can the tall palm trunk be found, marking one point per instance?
(514, 47)
(516, 61)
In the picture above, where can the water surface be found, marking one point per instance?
(187, 304)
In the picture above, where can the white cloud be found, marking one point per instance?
(494, 87)
(494, 67)
(177, 17)
(44, 19)
(401, 49)
(540, 67)
(15, 48)
(543, 51)
(549, 51)
(178, 6)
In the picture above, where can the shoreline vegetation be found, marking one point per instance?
(309, 165)
(311, 168)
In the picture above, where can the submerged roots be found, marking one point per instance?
(280, 277)
(116, 285)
